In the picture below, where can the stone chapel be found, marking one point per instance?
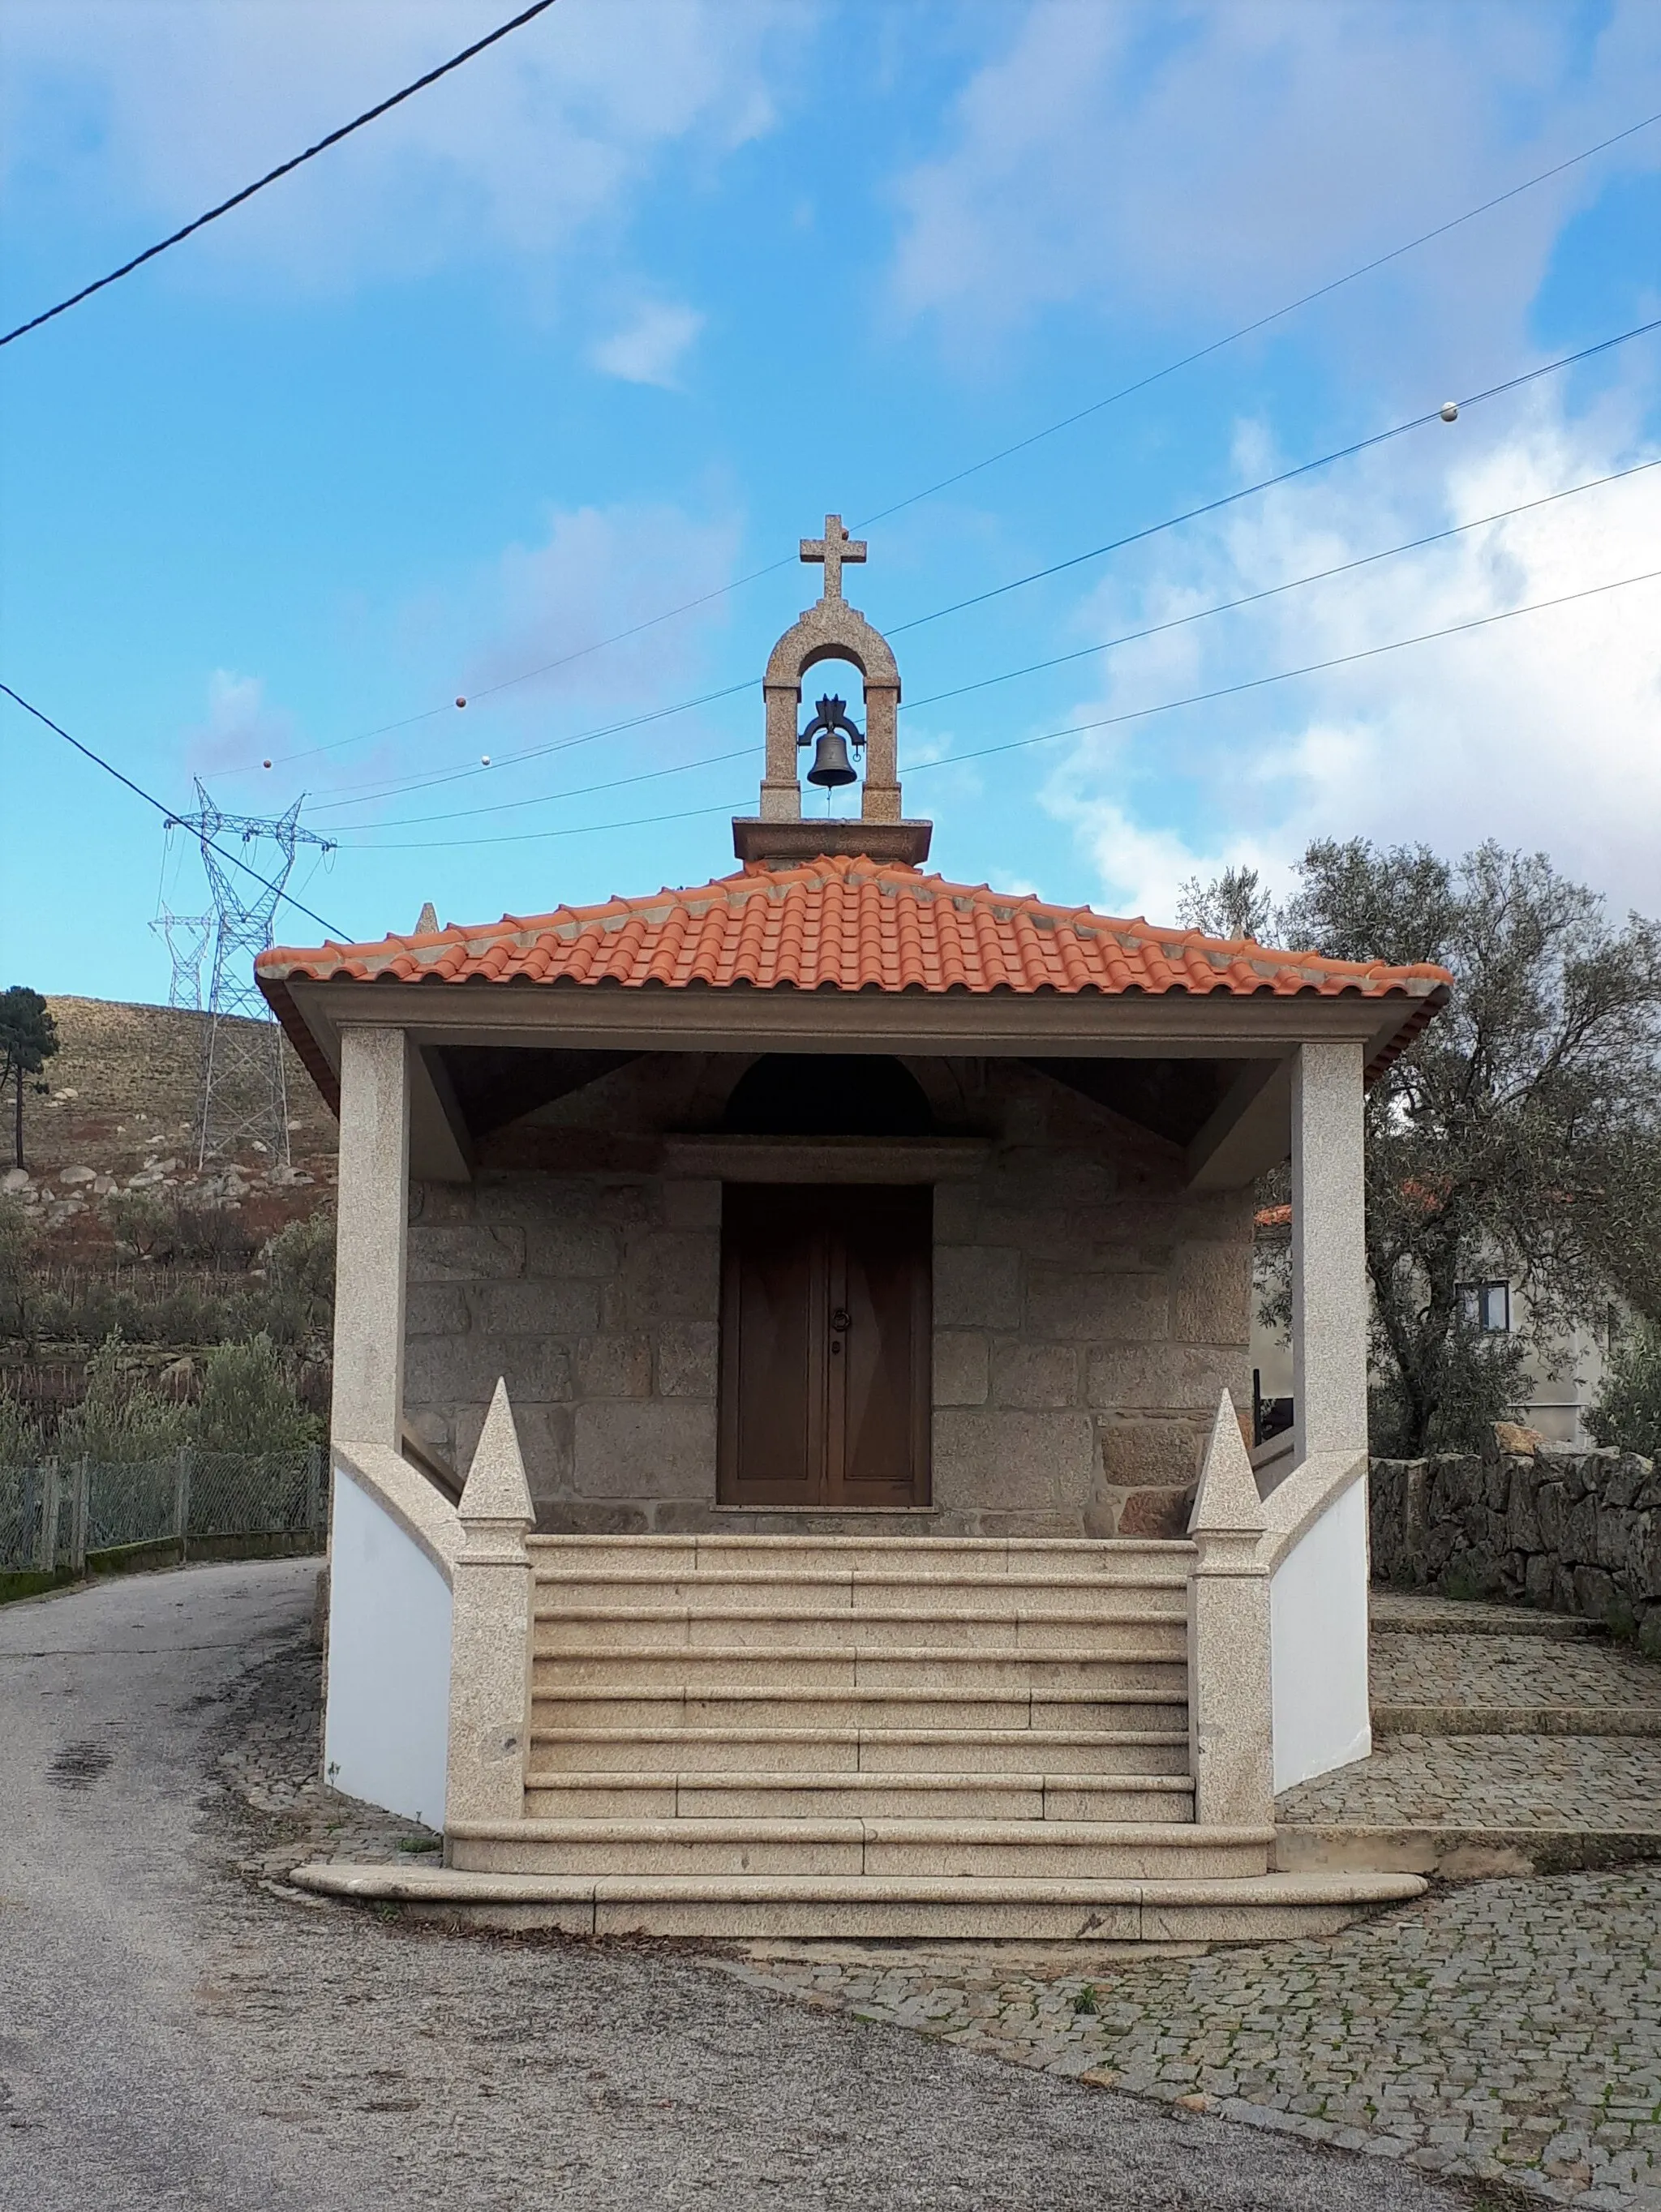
(791, 1336)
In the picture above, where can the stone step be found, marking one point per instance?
(1146, 1669)
(942, 1850)
(1133, 1752)
(1462, 1619)
(959, 1595)
(917, 1555)
(1252, 1908)
(1138, 1634)
(748, 1710)
(1517, 1720)
(810, 1796)
(1458, 1850)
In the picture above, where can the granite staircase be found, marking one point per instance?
(873, 1737)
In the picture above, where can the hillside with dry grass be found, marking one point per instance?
(112, 1231)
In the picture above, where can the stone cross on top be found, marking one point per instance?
(833, 548)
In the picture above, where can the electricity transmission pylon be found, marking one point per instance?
(186, 936)
(244, 1096)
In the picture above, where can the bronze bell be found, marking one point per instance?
(831, 765)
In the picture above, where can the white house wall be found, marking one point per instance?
(387, 1732)
(1318, 1636)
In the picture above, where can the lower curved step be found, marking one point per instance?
(1249, 1909)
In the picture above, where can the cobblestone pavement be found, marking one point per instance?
(1509, 1670)
(1502, 1782)
(1430, 1651)
(1509, 2029)
(274, 1765)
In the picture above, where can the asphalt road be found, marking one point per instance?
(172, 2035)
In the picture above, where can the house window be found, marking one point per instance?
(1486, 1306)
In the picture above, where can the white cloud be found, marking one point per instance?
(1540, 731)
(597, 572)
(164, 109)
(241, 727)
(649, 347)
(1160, 160)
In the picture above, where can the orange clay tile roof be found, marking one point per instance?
(846, 925)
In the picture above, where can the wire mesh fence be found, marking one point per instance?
(62, 1512)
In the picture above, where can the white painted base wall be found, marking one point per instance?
(1318, 1636)
(387, 1727)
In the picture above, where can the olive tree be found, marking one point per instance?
(1519, 1135)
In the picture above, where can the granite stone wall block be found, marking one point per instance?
(441, 1205)
(1101, 1306)
(559, 1308)
(1012, 1461)
(464, 1255)
(962, 1368)
(1209, 1283)
(673, 1274)
(1026, 1374)
(614, 1367)
(436, 1309)
(1157, 1377)
(648, 1449)
(688, 1352)
(544, 1444)
(1142, 1455)
(560, 1249)
(977, 1287)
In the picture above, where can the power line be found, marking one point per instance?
(1262, 322)
(377, 787)
(283, 169)
(555, 798)
(1038, 575)
(167, 812)
(1125, 392)
(1286, 675)
(1274, 591)
(1270, 483)
(1038, 667)
(1077, 729)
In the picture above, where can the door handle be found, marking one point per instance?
(842, 1320)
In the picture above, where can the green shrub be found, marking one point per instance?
(20, 1441)
(14, 1286)
(247, 1403)
(1628, 1409)
(121, 1417)
(299, 1263)
(189, 1315)
(142, 1223)
(210, 1236)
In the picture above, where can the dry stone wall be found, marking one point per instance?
(1574, 1531)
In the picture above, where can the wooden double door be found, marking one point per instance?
(826, 1345)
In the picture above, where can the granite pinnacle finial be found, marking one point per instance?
(1226, 1500)
(495, 1489)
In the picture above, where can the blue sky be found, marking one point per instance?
(609, 319)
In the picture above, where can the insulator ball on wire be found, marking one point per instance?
(484, 760)
(1450, 411)
(264, 763)
(461, 702)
